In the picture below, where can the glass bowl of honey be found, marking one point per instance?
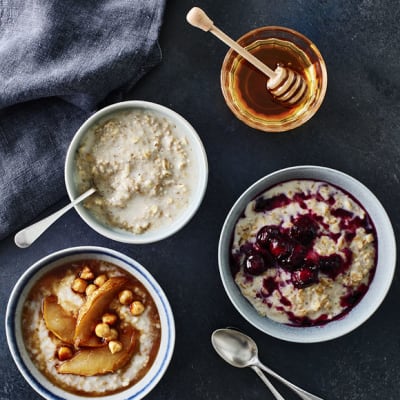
(245, 88)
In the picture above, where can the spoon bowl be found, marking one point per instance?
(235, 347)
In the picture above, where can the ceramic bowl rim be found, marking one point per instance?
(198, 152)
(357, 316)
(167, 344)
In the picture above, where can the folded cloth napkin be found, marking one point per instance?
(58, 60)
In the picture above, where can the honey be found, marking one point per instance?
(245, 87)
(251, 85)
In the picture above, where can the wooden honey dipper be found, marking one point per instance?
(286, 86)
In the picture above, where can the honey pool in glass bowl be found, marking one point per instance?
(245, 88)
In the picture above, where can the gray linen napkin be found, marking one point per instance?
(58, 60)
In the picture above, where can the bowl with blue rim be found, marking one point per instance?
(37, 326)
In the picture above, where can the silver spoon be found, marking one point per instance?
(241, 351)
(257, 370)
(28, 235)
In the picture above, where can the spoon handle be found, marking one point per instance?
(271, 387)
(300, 392)
(27, 236)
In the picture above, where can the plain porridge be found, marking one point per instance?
(91, 328)
(142, 168)
(304, 252)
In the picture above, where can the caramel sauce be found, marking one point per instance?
(250, 84)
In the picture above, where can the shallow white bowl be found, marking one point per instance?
(386, 260)
(197, 152)
(14, 331)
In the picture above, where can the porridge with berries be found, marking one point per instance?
(91, 328)
(304, 252)
(142, 168)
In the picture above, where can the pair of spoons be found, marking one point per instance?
(241, 351)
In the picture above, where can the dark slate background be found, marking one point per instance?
(357, 130)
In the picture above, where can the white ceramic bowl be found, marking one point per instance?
(14, 332)
(197, 153)
(386, 260)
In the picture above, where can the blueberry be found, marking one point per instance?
(281, 247)
(304, 230)
(331, 265)
(287, 252)
(264, 252)
(304, 277)
(295, 258)
(255, 264)
(266, 234)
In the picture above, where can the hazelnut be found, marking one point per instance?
(113, 335)
(90, 289)
(86, 274)
(102, 330)
(115, 346)
(64, 353)
(79, 285)
(100, 280)
(109, 319)
(137, 308)
(125, 297)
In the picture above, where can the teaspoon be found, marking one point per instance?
(28, 235)
(241, 351)
(257, 370)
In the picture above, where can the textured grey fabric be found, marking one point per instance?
(58, 60)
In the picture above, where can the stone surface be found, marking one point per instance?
(357, 130)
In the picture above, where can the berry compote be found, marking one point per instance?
(301, 250)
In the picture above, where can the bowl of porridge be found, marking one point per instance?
(90, 322)
(307, 254)
(148, 166)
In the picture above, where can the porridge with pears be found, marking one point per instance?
(91, 328)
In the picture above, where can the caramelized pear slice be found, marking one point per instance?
(62, 324)
(100, 361)
(58, 321)
(95, 306)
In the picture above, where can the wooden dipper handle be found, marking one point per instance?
(198, 18)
